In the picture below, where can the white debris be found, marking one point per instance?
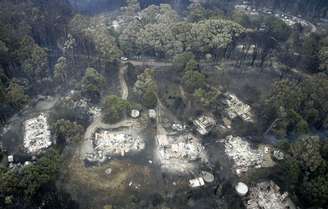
(10, 158)
(135, 113)
(204, 124)
(37, 134)
(266, 195)
(242, 154)
(96, 157)
(109, 143)
(241, 189)
(197, 182)
(179, 153)
(278, 155)
(178, 127)
(235, 108)
(152, 113)
(115, 25)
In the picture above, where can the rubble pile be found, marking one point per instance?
(178, 153)
(242, 154)
(107, 143)
(235, 108)
(266, 195)
(37, 134)
(278, 155)
(204, 124)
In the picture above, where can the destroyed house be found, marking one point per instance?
(204, 124)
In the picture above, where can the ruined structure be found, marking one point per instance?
(242, 154)
(235, 108)
(37, 134)
(179, 153)
(109, 143)
(204, 124)
(266, 195)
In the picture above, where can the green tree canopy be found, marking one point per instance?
(114, 108)
(16, 95)
(299, 105)
(193, 80)
(305, 170)
(92, 83)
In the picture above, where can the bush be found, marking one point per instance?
(149, 99)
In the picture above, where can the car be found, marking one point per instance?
(124, 58)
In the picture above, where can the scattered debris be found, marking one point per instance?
(266, 195)
(246, 49)
(278, 155)
(135, 113)
(243, 155)
(18, 161)
(37, 134)
(204, 124)
(95, 111)
(178, 127)
(27, 163)
(96, 157)
(197, 182)
(235, 108)
(241, 189)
